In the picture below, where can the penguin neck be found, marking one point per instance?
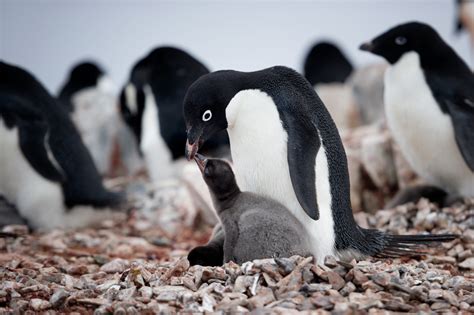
(225, 200)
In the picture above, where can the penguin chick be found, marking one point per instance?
(255, 227)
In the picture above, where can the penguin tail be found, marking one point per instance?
(392, 246)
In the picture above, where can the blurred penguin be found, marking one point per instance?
(46, 172)
(151, 105)
(88, 94)
(465, 17)
(327, 69)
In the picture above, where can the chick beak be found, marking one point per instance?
(369, 46)
(191, 149)
(201, 161)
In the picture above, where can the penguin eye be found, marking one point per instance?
(400, 40)
(207, 115)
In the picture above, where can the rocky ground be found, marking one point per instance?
(132, 266)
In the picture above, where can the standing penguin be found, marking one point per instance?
(285, 146)
(327, 69)
(88, 94)
(254, 227)
(45, 170)
(151, 104)
(429, 103)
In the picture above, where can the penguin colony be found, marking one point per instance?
(288, 192)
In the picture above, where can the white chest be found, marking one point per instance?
(259, 152)
(425, 134)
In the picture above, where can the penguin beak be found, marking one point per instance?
(201, 161)
(191, 150)
(193, 144)
(369, 46)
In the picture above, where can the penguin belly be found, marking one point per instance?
(259, 153)
(156, 153)
(96, 118)
(37, 199)
(424, 133)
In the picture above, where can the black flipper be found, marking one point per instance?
(34, 145)
(302, 162)
(462, 117)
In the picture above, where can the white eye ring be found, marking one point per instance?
(400, 40)
(207, 115)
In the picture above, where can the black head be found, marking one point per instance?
(218, 176)
(205, 106)
(413, 36)
(326, 63)
(132, 106)
(83, 75)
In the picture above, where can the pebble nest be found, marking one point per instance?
(129, 266)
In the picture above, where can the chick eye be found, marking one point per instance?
(207, 115)
(400, 40)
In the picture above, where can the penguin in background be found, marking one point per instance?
(327, 69)
(326, 63)
(46, 172)
(429, 104)
(285, 146)
(151, 105)
(89, 96)
(465, 18)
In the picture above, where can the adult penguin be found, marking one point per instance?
(285, 146)
(429, 104)
(89, 96)
(45, 169)
(151, 105)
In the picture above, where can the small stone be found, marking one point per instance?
(359, 277)
(468, 263)
(58, 297)
(335, 280)
(39, 304)
(348, 288)
(146, 293)
(330, 261)
(286, 265)
(438, 306)
(382, 279)
(115, 266)
(451, 298)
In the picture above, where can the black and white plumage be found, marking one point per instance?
(151, 104)
(254, 227)
(429, 104)
(285, 146)
(89, 96)
(45, 170)
(326, 63)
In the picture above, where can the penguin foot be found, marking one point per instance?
(206, 256)
(415, 193)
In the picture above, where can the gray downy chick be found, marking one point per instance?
(255, 227)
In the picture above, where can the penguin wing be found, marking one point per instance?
(303, 147)
(462, 116)
(34, 144)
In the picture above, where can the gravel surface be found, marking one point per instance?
(134, 267)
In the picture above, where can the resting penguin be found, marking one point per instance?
(254, 227)
(45, 170)
(285, 146)
(429, 104)
(89, 96)
(151, 104)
